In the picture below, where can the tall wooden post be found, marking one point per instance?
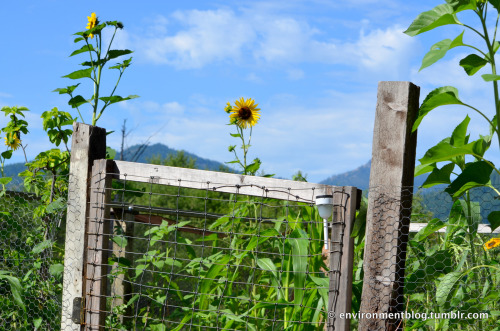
(389, 204)
(99, 226)
(88, 144)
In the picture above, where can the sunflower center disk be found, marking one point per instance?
(244, 113)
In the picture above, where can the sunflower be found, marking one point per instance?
(494, 242)
(13, 141)
(92, 23)
(245, 112)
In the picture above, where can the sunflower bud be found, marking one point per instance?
(231, 148)
(228, 108)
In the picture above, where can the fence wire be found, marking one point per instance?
(187, 259)
(31, 257)
(441, 271)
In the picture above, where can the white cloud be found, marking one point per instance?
(203, 37)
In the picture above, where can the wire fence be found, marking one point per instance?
(180, 258)
(30, 264)
(190, 259)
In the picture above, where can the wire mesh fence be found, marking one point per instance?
(205, 259)
(449, 272)
(30, 262)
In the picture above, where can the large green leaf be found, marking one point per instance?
(475, 174)
(495, 3)
(447, 287)
(459, 135)
(439, 176)
(443, 151)
(299, 241)
(494, 219)
(438, 16)
(472, 63)
(439, 50)
(5, 180)
(446, 95)
(83, 73)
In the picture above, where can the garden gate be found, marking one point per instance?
(172, 248)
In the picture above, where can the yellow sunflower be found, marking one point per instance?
(13, 141)
(92, 23)
(494, 242)
(245, 112)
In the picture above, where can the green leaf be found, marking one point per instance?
(78, 39)
(446, 287)
(494, 219)
(5, 180)
(495, 3)
(424, 168)
(438, 16)
(475, 174)
(120, 241)
(459, 136)
(117, 98)
(7, 154)
(56, 205)
(431, 227)
(211, 275)
(439, 176)
(299, 241)
(83, 73)
(439, 50)
(268, 265)
(459, 5)
(237, 135)
(114, 53)
(443, 151)
(76, 101)
(490, 77)
(253, 167)
(472, 63)
(441, 96)
(85, 48)
(66, 90)
(42, 246)
(15, 288)
(56, 270)
(110, 153)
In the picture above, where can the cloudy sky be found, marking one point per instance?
(312, 66)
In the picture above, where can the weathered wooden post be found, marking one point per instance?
(88, 144)
(99, 226)
(389, 205)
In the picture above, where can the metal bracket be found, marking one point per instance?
(78, 307)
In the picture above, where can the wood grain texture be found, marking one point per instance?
(88, 143)
(222, 182)
(99, 227)
(389, 203)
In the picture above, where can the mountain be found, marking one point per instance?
(136, 153)
(360, 178)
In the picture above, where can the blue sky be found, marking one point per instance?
(312, 66)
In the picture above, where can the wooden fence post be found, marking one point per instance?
(88, 144)
(389, 204)
(341, 254)
(99, 226)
